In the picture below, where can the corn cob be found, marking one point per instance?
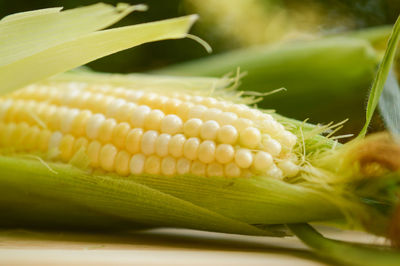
(137, 131)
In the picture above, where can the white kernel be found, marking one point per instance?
(272, 127)
(162, 143)
(243, 158)
(242, 123)
(215, 169)
(113, 106)
(232, 170)
(175, 146)
(227, 134)
(274, 172)
(209, 130)
(192, 127)
(190, 148)
(139, 115)
(250, 137)
(55, 140)
(196, 111)
(289, 168)
(171, 124)
(287, 139)
(211, 114)
(136, 164)
(227, 118)
(93, 124)
(67, 121)
(209, 101)
(271, 146)
(206, 152)
(262, 161)
(168, 165)
(183, 166)
(153, 120)
(224, 153)
(148, 142)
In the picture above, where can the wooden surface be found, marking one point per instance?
(157, 247)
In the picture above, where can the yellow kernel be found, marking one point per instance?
(152, 165)
(148, 142)
(224, 153)
(209, 130)
(198, 168)
(133, 140)
(192, 127)
(80, 143)
(31, 140)
(79, 123)
(43, 141)
(227, 134)
(232, 170)
(171, 124)
(139, 115)
(93, 151)
(168, 165)
(171, 106)
(153, 120)
(206, 151)
(250, 137)
(183, 110)
(190, 148)
(119, 134)
(54, 121)
(107, 157)
(175, 145)
(66, 147)
(136, 164)
(243, 158)
(289, 168)
(183, 166)
(215, 169)
(262, 161)
(20, 133)
(122, 163)
(106, 130)
(162, 143)
(4, 107)
(196, 111)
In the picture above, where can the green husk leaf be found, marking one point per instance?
(50, 27)
(381, 76)
(389, 106)
(116, 199)
(77, 51)
(345, 252)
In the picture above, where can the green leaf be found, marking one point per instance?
(389, 104)
(57, 57)
(119, 201)
(345, 252)
(381, 76)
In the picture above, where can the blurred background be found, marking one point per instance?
(324, 81)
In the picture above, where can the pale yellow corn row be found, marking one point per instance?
(137, 131)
